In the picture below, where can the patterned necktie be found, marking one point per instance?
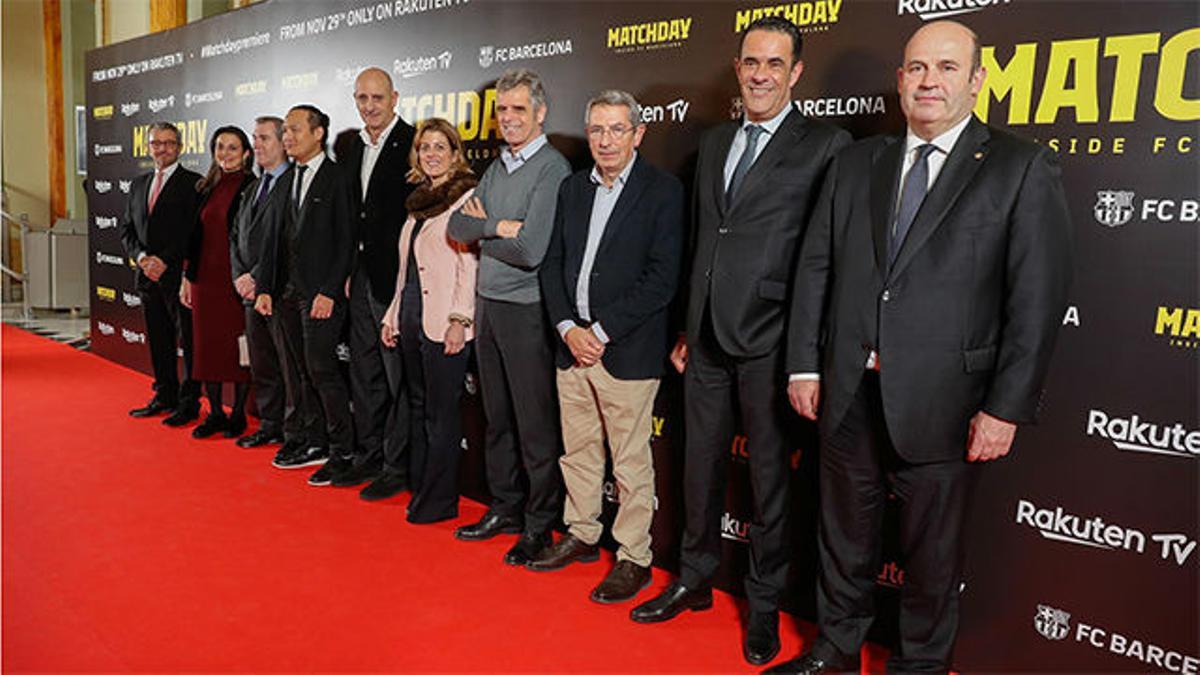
(753, 131)
(156, 189)
(915, 186)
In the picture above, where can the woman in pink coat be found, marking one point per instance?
(431, 317)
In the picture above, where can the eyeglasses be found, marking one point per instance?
(163, 144)
(614, 132)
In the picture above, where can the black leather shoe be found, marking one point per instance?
(528, 546)
(357, 474)
(807, 664)
(258, 438)
(300, 457)
(184, 413)
(235, 428)
(386, 486)
(569, 549)
(490, 525)
(334, 467)
(622, 583)
(675, 599)
(762, 638)
(214, 423)
(156, 406)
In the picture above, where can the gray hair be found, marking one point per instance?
(511, 79)
(165, 126)
(615, 97)
(271, 119)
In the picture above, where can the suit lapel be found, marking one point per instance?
(965, 159)
(789, 133)
(885, 174)
(722, 142)
(575, 232)
(315, 191)
(633, 189)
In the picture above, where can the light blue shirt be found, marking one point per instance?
(513, 161)
(602, 207)
(276, 173)
(739, 141)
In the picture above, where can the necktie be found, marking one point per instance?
(753, 131)
(915, 186)
(262, 193)
(300, 169)
(155, 189)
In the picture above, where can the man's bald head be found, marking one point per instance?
(950, 29)
(375, 100)
(940, 78)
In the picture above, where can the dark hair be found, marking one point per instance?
(777, 24)
(166, 126)
(206, 184)
(271, 119)
(316, 119)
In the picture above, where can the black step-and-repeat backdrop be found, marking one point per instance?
(1083, 552)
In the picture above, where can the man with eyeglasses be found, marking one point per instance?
(155, 229)
(608, 279)
(757, 179)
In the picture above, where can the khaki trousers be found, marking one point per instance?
(593, 404)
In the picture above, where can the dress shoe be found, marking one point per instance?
(184, 413)
(357, 474)
(762, 638)
(333, 467)
(526, 548)
(214, 423)
(490, 525)
(260, 437)
(154, 407)
(569, 549)
(386, 486)
(622, 583)
(236, 426)
(674, 599)
(807, 664)
(301, 457)
(285, 453)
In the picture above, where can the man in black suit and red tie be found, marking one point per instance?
(757, 179)
(929, 292)
(155, 229)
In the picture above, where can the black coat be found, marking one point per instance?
(167, 231)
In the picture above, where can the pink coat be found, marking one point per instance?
(447, 271)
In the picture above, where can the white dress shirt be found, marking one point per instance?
(313, 165)
(739, 141)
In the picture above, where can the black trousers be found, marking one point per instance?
(859, 467)
(270, 394)
(321, 394)
(516, 375)
(168, 330)
(376, 384)
(434, 382)
(717, 388)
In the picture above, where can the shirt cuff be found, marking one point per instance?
(599, 333)
(564, 326)
(140, 255)
(804, 377)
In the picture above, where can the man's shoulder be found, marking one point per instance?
(657, 178)
(185, 173)
(1010, 144)
(552, 159)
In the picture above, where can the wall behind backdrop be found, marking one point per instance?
(1082, 552)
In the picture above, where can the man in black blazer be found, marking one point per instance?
(929, 292)
(278, 421)
(608, 278)
(377, 165)
(756, 181)
(156, 228)
(305, 261)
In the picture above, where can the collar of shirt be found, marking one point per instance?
(771, 125)
(277, 171)
(169, 171)
(621, 178)
(313, 163)
(944, 142)
(387, 131)
(514, 160)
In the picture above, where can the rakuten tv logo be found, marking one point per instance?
(1133, 434)
(1061, 525)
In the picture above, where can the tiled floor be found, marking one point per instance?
(65, 326)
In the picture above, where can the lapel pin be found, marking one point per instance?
(979, 155)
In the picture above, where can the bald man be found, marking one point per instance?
(938, 265)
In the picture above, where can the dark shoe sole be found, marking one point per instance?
(379, 497)
(762, 660)
(613, 601)
(345, 483)
(507, 529)
(704, 606)
(591, 557)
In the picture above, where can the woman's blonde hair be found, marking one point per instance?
(458, 165)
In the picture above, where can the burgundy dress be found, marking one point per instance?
(217, 314)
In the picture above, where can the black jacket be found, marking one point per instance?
(166, 233)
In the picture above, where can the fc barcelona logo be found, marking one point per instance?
(486, 54)
(1052, 623)
(1113, 208)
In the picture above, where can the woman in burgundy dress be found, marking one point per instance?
(217, 316)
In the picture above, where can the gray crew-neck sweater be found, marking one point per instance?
(508, 267)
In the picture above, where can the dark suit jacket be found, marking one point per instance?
(744, 252)
(196, 243)
(249, 226)
(324, 237)
(379, 217)
(167, 232)
(635, 273)
(965, 320)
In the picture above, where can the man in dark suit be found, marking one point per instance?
(305, 261)
(608, 279)
(928, 295)
(377, 165)
(756, 180)
(278, 421)
(155, 229)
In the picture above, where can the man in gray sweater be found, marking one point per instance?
(511, 218)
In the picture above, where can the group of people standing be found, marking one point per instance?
(902, 291)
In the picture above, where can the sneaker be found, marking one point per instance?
(301, 457)
(335, 466)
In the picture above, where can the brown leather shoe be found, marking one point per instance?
(622, 583)
(566, 551)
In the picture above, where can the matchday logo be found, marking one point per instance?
(190, 99)
(848, 106)
(110, 149)
(250, 88)
(108, 259)
(940, 9)
(106, 294)
(1060, 525)
(105, 222)
(1180, 324)
(193, 134)
(102, 112)
(299, 81)
(131, 109)
(131, 299)
(1054, 624)
(102, 186)
(105, 328)
(157, 105)
(474, 116)
(125, 185)
(415, 66)
(1132, 434)
(640, 37)
(816, 15)
(490, 54)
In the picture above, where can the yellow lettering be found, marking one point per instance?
(1172, 70)
(1169, 321)
(1014, 80)
(1129, 50)
(1067, 58)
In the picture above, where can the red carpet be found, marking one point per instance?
(128, 546)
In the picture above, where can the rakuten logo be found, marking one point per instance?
(1135, 435)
